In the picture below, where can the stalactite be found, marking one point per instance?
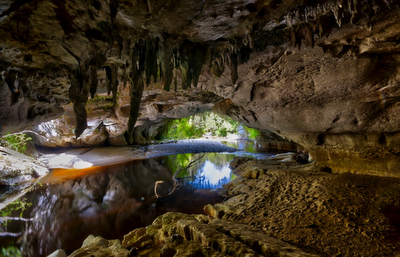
(342, 10)
(216, 65)
(93, 80)
(135, 95)
(114, 82)
(197, 58)
(191, 58)
(244, 54)
(184, 68)
(113, 9)
(167, 66)
(11, 79)
(151, 66)
(136, 91)
(233, 66)
(78, 94)
(108, 79)
(124, 74)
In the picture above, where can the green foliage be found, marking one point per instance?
(182, 129)
(252, 133)
(10, 250)
(198, 125)
(16, 142)
(178, 161)
(17, 205)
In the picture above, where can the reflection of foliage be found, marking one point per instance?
(10, 250)
(194, 173)
(17, 205)
(16, 142)
(252, 133)
(198, 125)
(178, 161)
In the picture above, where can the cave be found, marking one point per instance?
(319, 79)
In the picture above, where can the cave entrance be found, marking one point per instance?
(209, 125)
(206, 125)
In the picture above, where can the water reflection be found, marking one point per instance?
(111, 201)
(247, 146)
(211, 171)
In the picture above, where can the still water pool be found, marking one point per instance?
(112, 201)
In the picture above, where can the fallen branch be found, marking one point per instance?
(4, 234)
(155, 188)
(176, 182)
(2, 219)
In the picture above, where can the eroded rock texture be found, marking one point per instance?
(177, 234)
(329, 214)
(323, 74)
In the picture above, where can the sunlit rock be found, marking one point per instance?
(17, 168)
(194, 234)
(58, 253)
(98, 246)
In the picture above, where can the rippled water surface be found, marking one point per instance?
(112, 201)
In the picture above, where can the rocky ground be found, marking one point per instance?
(275, 207)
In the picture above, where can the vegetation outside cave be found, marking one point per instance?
(205, 124)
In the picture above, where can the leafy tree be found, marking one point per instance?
(252, 133)
(17, 142)
(198, 125)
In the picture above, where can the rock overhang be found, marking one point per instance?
(340, 81)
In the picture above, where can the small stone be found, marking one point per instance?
(252, 171)
(58, 253)
(96, 240)
(210, 210)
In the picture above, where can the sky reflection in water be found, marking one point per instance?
(111, 201)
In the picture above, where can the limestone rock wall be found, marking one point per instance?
(322, 74)
(338, 99)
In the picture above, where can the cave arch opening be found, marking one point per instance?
(205, 125)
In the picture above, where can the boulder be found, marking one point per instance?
(18, 168)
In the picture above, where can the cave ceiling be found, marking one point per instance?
(305, 70)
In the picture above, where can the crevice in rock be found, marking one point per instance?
(15, 6)
(11, 78)
(382, 140)
(320, 139)
(63, 17)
